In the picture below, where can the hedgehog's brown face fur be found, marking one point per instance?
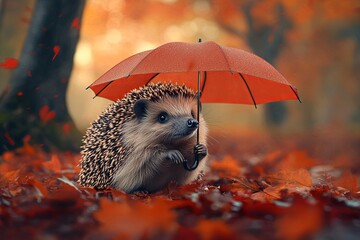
(171, 119)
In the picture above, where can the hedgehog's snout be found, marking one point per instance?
(192, 123)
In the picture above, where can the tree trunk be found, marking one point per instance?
(266, 41)
(34, 104)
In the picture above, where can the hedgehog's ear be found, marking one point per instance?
(140, 107)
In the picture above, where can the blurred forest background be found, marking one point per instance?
(314, 44)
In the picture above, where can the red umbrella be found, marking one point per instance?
(219, 74)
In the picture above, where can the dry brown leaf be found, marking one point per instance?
(227, 165)
(295, 160)
(263, 197)
(301, 177)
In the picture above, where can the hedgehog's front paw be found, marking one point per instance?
(175, 156)
(200, 150)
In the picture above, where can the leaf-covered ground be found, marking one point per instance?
(257, 187)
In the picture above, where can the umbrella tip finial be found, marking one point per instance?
(200, 40)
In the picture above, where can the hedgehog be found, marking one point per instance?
(139, 143)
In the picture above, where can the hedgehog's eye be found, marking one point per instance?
(192, 114)
(163, 117)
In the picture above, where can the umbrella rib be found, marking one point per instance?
(142, 60)
(151, 79)
(204, 82)
(252, 97)
(295, 93)
(97, 94)
(226, 59)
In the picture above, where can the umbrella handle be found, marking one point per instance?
(195, 164)
(196, 161)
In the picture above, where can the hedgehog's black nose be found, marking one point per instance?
(192, 123)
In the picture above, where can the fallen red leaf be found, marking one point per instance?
(54, 164)
(214, 229)
(264, 197)
(8, 156)
(56, 50)
(28, 149)
(136, 219)
(273, 156)
(348, 181)
(228, 166)
(300, 221)
(245, 184)
(11, 176)
(42, 191)
(9, 63)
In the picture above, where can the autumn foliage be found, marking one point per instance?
(248, 193)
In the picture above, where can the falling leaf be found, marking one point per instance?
(75, 23)
(45, 113)
(9, 139)
(9, 63)
(66, 128)
(26, 138)
(56, 50)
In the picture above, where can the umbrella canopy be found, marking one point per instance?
(219, 74)
(228, 75)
